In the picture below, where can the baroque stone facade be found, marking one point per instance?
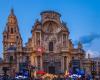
(49, 49)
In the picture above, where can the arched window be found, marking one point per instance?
(64, 40)
(12, 31)
(17, 37)
(11, 59)
(50, 46)
(4, 36)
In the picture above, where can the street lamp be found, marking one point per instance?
(5, 69)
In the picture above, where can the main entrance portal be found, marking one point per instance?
(52, 69)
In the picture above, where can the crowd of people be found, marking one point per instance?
(58, 77)
(48, 76)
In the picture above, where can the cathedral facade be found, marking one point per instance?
(49, 49)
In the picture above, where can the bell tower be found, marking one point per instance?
(11, 36)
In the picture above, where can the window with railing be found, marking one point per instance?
(38, 38)
(11, 59)
(50, 46)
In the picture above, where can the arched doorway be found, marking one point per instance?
(51, 69)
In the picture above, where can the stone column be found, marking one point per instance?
(66, 63)
(62, 64)
(67, 60)
(41, 63)
(18, 61)
(32, 59)
(36, 64)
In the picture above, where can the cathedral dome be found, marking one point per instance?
(50, 12)
(50, 15)
(12, 18)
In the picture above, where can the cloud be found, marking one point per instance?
(87, 39)
(92, 54)
(90, 43)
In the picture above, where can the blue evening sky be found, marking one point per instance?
(81, 16)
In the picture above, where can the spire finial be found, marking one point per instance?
(12, 18)
(12, 11)
(80, 45)
(89, 56)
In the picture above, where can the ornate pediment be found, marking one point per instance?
(50, 27)
(50, 16)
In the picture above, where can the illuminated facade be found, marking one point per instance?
(49, 49)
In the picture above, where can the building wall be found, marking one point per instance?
(49, 46)
(51, 29)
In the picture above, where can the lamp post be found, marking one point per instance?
(5, 69)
